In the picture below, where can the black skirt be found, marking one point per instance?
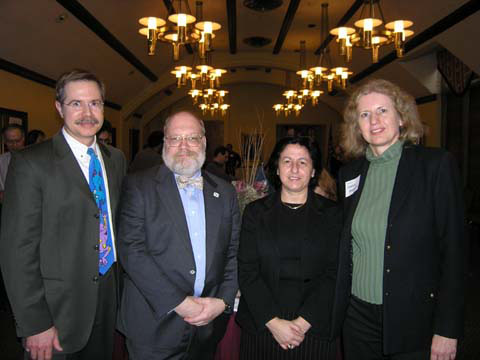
(263, 346)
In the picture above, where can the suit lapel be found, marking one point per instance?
(352, 201)
(403, 180)
(168, 195)
(270, 219)
(214, 202)
(313, 227)
(68, 164)
(112, 180)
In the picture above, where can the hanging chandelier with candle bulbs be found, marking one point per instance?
(181, 29)
(368, 33)
(312, 79)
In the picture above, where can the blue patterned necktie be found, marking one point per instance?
(97, 187)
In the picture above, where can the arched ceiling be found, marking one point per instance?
(42, 39)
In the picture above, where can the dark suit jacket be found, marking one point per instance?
(423, 282)
(50, 228)
(156, 253)
(259, 263)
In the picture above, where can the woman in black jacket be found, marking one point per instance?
(402, 250)
(287, 261)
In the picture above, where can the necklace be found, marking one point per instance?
(293, 206)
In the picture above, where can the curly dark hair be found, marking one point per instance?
(313, 150)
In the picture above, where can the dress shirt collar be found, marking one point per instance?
(77, 147)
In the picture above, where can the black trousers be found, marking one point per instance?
(363, 334)
(100, 343)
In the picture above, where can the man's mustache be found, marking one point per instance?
(87, 121)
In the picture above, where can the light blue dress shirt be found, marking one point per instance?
(194, 207)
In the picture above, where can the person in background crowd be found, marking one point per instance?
(57, 240)
(234, 161)
(403, 232)
(35, 137)
(178, 239)
(104, 135)
(217, 165)
(327, 187)
(336, 161)
(287, 261)
(14, 140)
(151, 155)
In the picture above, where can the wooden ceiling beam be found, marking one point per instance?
(439, 27)
(82, 14)
(287, 22)
(232, 25)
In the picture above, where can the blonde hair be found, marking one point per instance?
(411, 130)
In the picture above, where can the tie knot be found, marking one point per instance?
(184, 181)
(91, 152)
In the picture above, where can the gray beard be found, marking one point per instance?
(194, 164)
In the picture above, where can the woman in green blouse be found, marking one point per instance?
(400, 282)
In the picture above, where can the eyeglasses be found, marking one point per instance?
(77, 105)
(192, 140)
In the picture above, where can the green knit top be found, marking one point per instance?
(369, 225)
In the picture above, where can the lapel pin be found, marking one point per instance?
(215, 194)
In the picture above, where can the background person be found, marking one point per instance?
(287, 261)
(151, 155)
(403, 232)
(217, 165)
(35, 137)
(234, 161)
(14, 140)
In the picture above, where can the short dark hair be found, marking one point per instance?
(220, 150)
(76, 75)
(33, 136)
(12, 127)
(313, 150)
(106, 126)
(155, 138)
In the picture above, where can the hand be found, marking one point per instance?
(285, 332)
(188, 308)
(303, 324)
(443, 348)
(40, 345)
(212, 307)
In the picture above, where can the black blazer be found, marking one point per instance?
(423, 283)
(156, 252)
(49, 240)
(259, 260)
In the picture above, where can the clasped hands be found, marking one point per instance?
(288, 333)
(199, 311)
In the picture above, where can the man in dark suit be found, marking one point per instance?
(178, 240)
(57, 246)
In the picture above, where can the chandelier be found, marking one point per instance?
(369, 35)
(181, 29)
(204, 86)
(311, 79)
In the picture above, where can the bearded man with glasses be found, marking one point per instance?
(178, 240)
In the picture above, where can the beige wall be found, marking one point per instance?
(20, 94)
(430, 114)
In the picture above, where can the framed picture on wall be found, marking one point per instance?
(8, 116)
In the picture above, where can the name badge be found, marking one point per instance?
(351, 186)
